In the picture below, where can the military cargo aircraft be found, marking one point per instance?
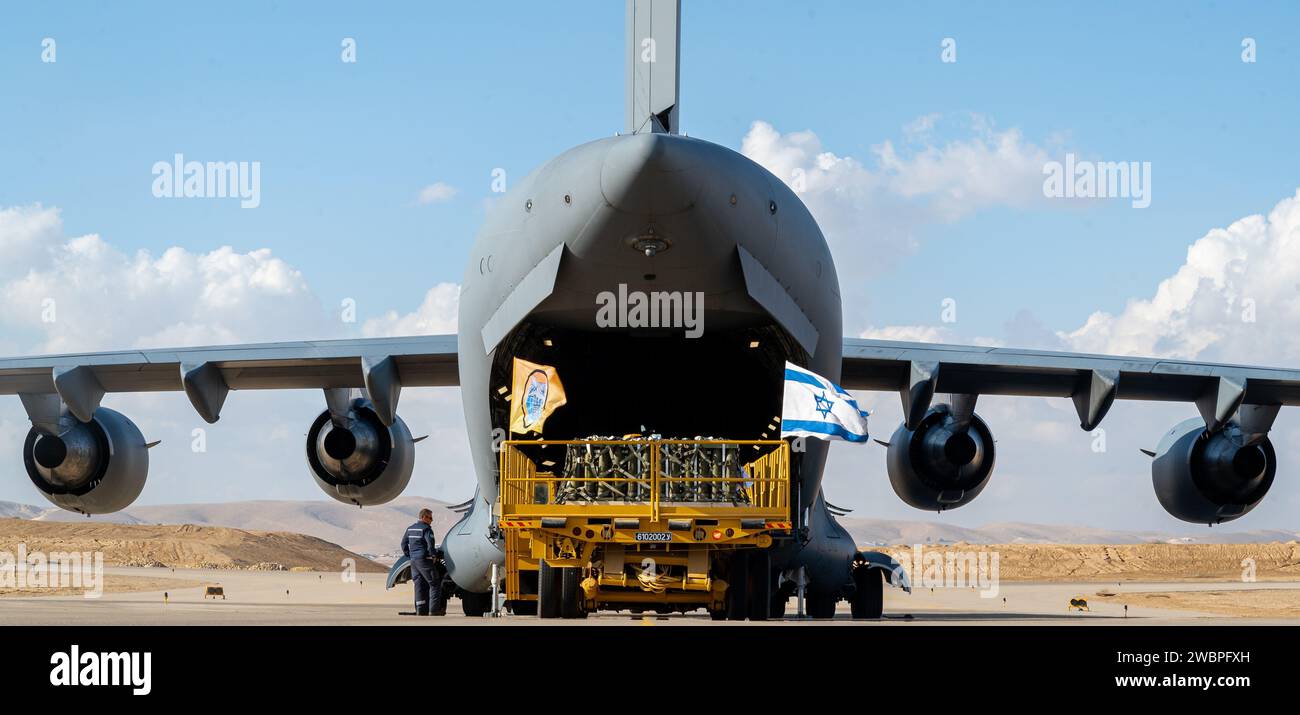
(653, 211)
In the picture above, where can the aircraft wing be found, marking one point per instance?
(207, 374)
(918, 370)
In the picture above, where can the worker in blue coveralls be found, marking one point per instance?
(417, 544)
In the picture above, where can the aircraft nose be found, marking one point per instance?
(649, 174)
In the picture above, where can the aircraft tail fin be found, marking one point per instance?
(653, 41)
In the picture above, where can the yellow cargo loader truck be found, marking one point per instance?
(648, 524)
(639, 524)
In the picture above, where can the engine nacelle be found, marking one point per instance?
(94, 467)
(361, 462)
(1211, 477)
(942, 464)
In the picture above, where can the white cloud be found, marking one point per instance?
(961, 177)
(1236, 298)
(875, 212)
(82, 293)
(952, 179)
(25, 232)
(922, 126)
(435, 316)
(436, 192)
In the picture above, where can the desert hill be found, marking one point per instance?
(372, 530)
(182, 546)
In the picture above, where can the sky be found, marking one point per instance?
(919, 131)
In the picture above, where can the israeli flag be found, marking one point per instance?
(813, 406)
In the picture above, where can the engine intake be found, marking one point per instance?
(94, 467)
(942, 464)
(1211, 477)
(356, 459)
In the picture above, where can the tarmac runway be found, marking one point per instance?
(295, 598)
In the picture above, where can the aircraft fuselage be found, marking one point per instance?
(678, 224)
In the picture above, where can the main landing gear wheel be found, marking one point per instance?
(475, 604)
(868, 600)
(821, 605)
(780, 597)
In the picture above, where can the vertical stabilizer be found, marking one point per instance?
(653, 41)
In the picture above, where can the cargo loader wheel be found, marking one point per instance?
(548, 591)
(868, 600)
(571, 593)
(760, 584)
(738, 587)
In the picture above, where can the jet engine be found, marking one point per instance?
(92, 467)
(1211, 477)
(356, 459)
(943, 463)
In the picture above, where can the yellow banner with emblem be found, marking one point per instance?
(536, 393)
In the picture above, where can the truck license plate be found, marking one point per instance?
(653, 536)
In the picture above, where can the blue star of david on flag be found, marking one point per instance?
(823, 404)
